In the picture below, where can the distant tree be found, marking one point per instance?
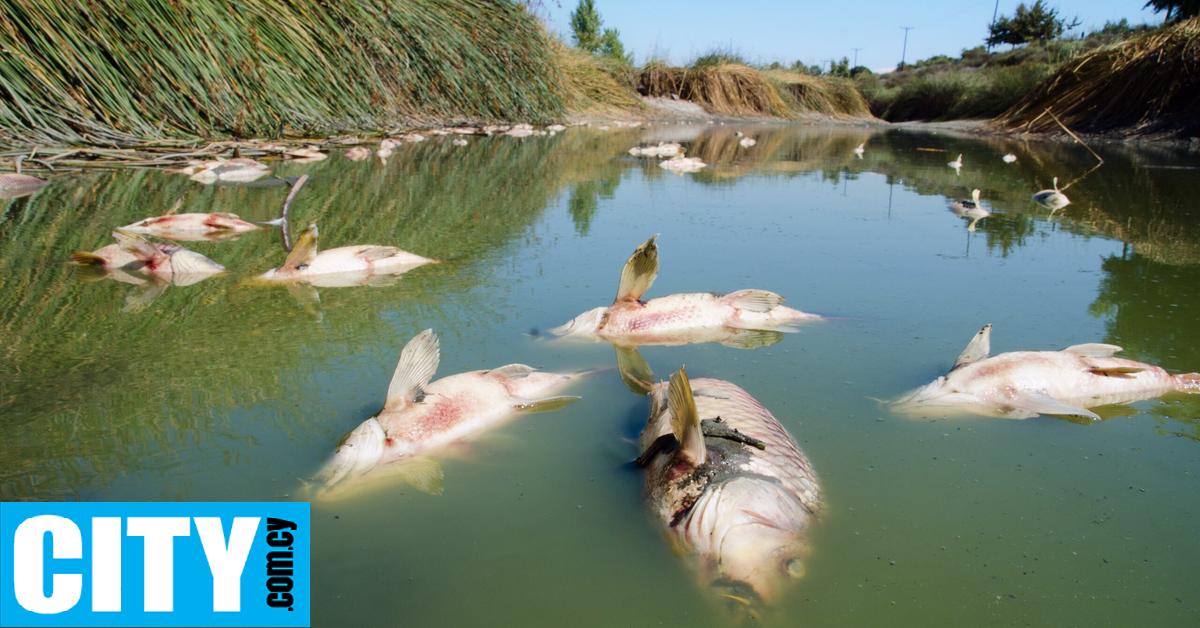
(611, 46)
(1176, 9)
(1037, 23)
(585, 24)
(860, 70)
(841, 68)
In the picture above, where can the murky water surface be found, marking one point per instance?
(224, 390)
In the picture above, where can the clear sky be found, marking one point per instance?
(787, 30)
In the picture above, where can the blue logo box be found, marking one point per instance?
(154, 564)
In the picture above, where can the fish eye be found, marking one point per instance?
(795, 568)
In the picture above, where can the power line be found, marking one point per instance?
(904, 52)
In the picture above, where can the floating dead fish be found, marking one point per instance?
(862, 148)
(1024, 384)
(664, 149)
(304, 263)
(679, 318)
(17, 185)
(556, 128)
(388, 144)
(1009, 158)
(970, 209)
(1052, 200)
(305, 155)
(192, 226)
(747, 142)
(419, 416)
(458, 141)
(358, 153)
(681, 164)
(414, 137)
(733, 493)
(229, 173)
(133, 253)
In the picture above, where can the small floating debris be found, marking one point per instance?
(458, 141)
(1052, 200)
(747, 142)
(1009, 158)
(414, 137)
(306, 155)
(556, 128)
(664, 149)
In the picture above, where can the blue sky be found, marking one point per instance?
(782, 30)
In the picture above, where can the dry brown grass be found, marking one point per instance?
(595, 85)
(811, 94)
(729, 89)
(1147, 85)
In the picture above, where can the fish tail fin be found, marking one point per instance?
(1188, 383)
(753, 300)
(84, 258)
(139, 247)
(639, 272)
(685, 420)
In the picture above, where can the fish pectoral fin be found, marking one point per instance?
(635, 371)
(1115, 371)
(304, 250)
(685, 420)
(1041, 403)
(423, 474)
(753, 338)
(304, 294)
(1094, 350)
(639, 272)
(138, 247)
(978, 349)
(418, 362)
(753, 300)
(84, 258)
(512, 371)
(548, 404)
(376, 253)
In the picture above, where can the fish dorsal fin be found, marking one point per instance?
(512, 371)
(423, 474)
(639, 272)
(418, 363)
(304, 250)
(753, 300)
(978, 349)
(138, 247)
(685, 421)
(1094, 350)
(376, 253)
(1041, 403)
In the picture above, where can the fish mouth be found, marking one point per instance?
(740, 601)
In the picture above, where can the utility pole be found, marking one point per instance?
(904, 52)
(856, 56)
(995, 12)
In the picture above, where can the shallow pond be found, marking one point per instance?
(226, 390)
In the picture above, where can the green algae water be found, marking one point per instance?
(228, 390)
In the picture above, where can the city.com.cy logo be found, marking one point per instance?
(154, 564)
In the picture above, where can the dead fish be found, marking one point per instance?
(971, 209)
(185, 226)
(230, 173)
(304, 263)
(306, 155)
(732, 491)
(133, 253)
(419, 416)
(747, 142)
(1052, 200)
(1024, 384)
(678, 318)
(16, 185)
(358, 153)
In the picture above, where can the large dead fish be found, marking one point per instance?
(16, 185)
(681, 318)
(192, 226)
(347, 265)
(730, 487)
(133, 253)
(1024, 384)
(420, 416)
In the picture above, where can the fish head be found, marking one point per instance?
(939, 396)
(185, 262)
(230, 222)
(750, 537)
(359, 451)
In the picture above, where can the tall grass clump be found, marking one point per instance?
(124, 71)
(805, 93)
(725, 89)
(597, 85)
(1146, 85)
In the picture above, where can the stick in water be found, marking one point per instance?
(1064, 127)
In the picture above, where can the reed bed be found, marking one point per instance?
(810, 94)
(127, 71)
(597, 85)
(724, 89)
(1146, 85)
